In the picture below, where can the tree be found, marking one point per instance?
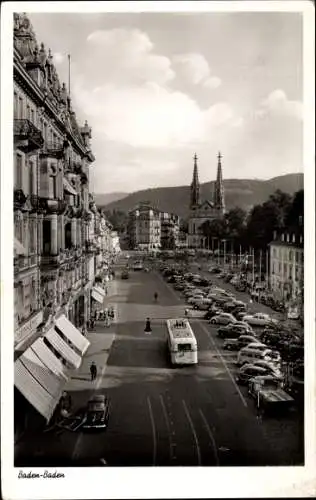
(296, 210)
(216, 228)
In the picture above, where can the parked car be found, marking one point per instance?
(258, 319)
(124, 275)
(212, 312)
(223, 319)
(202, 304)
(97, 413)
(269, 394)
(270, 366)
(248, 372)
(239, 343)
(230, 331)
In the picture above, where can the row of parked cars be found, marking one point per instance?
(237, 327)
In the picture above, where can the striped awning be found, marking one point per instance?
(37, 377)
(72, 334)
(99, 290)
(64, 349)
(97, 296)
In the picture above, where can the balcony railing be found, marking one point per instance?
(21, 263)
(52, 149)
(27, 136)
(50, 260)
(48, 205)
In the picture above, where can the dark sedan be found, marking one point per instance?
(97, 413)
(231, 331)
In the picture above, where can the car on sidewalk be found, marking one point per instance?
(97, 413)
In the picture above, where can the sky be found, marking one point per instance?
(156, 88)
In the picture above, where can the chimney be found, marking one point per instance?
(282, 237)
(293, 238)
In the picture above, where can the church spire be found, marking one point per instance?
(195, 186)
(219, 199)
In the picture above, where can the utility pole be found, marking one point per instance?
(224, 241)
(267, 269)
(219, 253)
(253, 266)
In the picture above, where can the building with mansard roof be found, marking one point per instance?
(206, 210)
(61, 241)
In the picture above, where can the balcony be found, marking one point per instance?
(51, 261)
(52, 150)
(27, 137)
(19, 199)
(22, 263)
(48, 205)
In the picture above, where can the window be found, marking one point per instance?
(46, 237)
(45, 131)
(284, 268)
(32, 116)
(16, 105)
(290, 255)
(52, 187)
(28, 112)
(279, 267)
(31, 177)
(18, 172)
(20, 108)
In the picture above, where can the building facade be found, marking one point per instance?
(152, 229)
(62, 243)
(202, 211)
(287, 266)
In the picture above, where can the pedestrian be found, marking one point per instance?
(93, 371)
(155, 296)
(107, 320)
(186, 312)
(148, 326)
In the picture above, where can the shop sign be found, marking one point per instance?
(28, 328)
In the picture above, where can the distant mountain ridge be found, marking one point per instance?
(243, 193)
(106, 198)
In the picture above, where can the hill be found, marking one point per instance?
(243, 193)
(105, 199)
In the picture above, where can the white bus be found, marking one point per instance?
(182, 343)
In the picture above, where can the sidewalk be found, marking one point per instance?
(101, 339)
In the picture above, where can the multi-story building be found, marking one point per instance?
(287, 265)
(144, 227)
(169, 238)
(151, 229)
(58, 231)
(200, 212)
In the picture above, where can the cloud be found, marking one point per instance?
(213, 82)
(127, 55)
(277, 104)
(194, 69)
(151, 115)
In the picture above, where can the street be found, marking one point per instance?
(164, 416)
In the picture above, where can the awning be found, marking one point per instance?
(19, 249)
(41, 373)
(49, 359)
(68, 187)
(99, 290)
(35, 393)
(73, 334)
(97, 296)
(67, 353)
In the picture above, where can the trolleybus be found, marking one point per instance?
(182, 343)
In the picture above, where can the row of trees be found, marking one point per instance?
(280, 212)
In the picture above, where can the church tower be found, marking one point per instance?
(195, 186)
(219, 198)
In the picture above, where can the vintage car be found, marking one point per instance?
(222, 319)
(258, 319)
(269, 394)
(97, 413)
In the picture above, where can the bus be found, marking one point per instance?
(182, 343)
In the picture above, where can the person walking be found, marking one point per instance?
(93, 371)
(147, 326)
(155, 296)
